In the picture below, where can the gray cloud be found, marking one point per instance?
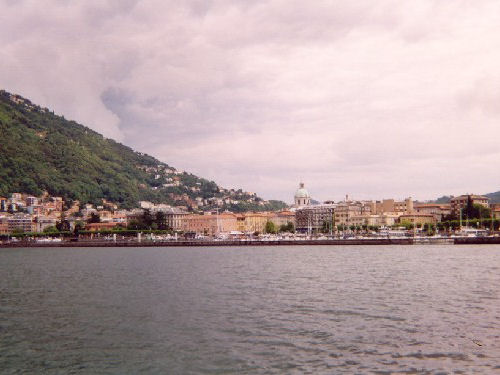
(374, 99)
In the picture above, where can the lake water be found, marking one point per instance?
(262, 310)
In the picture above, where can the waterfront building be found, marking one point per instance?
(417, 218)
(210, 224)
(392, 206)
(345, 211)
(380, 220)
(436, 209)
(4, 224)
(21, 222)
(43, 222)
(3, 204)
(94, 227)
(240, 222)
(174, 218)
(458, 203)
(312, 219)
(282, 218)
(255, 222)
(495, 210)
(359, 220)
(302, 197)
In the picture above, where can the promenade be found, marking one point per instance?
(237, 243)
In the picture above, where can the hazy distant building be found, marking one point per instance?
(210, 225)
(495, 210)
(313, 218)
(4, 224)
(380, 220)
(21, 222)
(458, 203)
(174, 217)
(43, 222)
(438, 210)
(345, 211)
(392, 206)
(282, 218)
(417, 218)
(252, 222)
(3, 204)
(302, 197)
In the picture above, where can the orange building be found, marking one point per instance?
(282, 218)
(416, 218)
(458, 203)
(21, 222)
(256, 221)
(3, 204)
(209, 224)
(4, 225)
(495, 210)
(94, 227)
(436, 209)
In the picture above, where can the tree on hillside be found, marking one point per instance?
(63, 225)
(79, 226)
(161, 220)
(147, 219)
(94, 218)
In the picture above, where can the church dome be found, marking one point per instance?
(301, 192)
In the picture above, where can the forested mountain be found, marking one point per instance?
(41, 151)
(443, 199)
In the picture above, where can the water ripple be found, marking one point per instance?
(297, 310)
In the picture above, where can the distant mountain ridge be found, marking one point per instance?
(41, 151)
(494, 198)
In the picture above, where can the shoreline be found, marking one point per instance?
(335, 242)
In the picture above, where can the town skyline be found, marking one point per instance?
(27, 215)
(354, 98)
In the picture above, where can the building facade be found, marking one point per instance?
(458, 203)
(312, 219)
(393, 206)
(302, 197)
(210, 225)
(174, 218)
(282, 218)
(417, 218)
(435, 209)
(255, 222)
(4, 225)
(21, 222)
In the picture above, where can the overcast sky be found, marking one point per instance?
(375, 99)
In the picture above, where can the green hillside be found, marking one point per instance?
(40, 151)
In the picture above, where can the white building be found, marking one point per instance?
(302, 197)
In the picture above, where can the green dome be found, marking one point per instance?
(301, 192)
